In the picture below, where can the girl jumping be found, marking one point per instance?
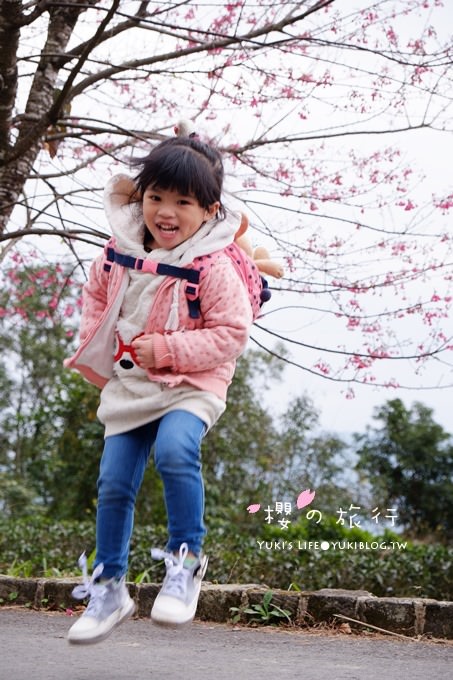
(163, 368)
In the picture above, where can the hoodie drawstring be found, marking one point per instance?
(173, 316)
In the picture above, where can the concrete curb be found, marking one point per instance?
(407, 616)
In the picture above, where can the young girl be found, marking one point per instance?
(164, 371)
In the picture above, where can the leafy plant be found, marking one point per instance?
(20, 569)
(265, 613)
(36, 546)
(143, 577)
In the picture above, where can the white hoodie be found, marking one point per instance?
(130, 399)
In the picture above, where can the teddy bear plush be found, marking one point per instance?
(259, 255)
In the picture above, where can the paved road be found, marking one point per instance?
(33, 647)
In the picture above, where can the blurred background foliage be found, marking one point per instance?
(51, 442)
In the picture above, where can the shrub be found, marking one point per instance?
(36, 546)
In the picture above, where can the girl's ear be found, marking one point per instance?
(213, 210)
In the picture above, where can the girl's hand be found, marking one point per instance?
(143, 348)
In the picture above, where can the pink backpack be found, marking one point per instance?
(257, 287)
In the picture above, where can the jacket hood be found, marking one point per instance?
(124, 213)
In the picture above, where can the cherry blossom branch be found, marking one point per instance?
(378, 355)
(349, 380)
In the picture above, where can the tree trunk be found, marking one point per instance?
(18, 157)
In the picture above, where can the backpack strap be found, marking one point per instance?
(256, 286)
(191, 276)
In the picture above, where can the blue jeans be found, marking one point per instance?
(177, 439)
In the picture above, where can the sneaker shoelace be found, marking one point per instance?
(89, 588)
(175, 583)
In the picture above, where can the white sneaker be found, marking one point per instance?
(177, 600)
(109, 605)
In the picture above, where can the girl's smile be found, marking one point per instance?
(171, 218)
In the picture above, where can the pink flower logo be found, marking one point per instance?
(305, 498)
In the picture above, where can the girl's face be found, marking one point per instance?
(172, 218)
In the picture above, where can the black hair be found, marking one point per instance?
(186, 165)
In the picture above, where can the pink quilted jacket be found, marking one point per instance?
(201, 352)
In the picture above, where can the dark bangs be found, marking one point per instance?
(184, 165)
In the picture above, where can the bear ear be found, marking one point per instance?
(184, 128)
(243, 226)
